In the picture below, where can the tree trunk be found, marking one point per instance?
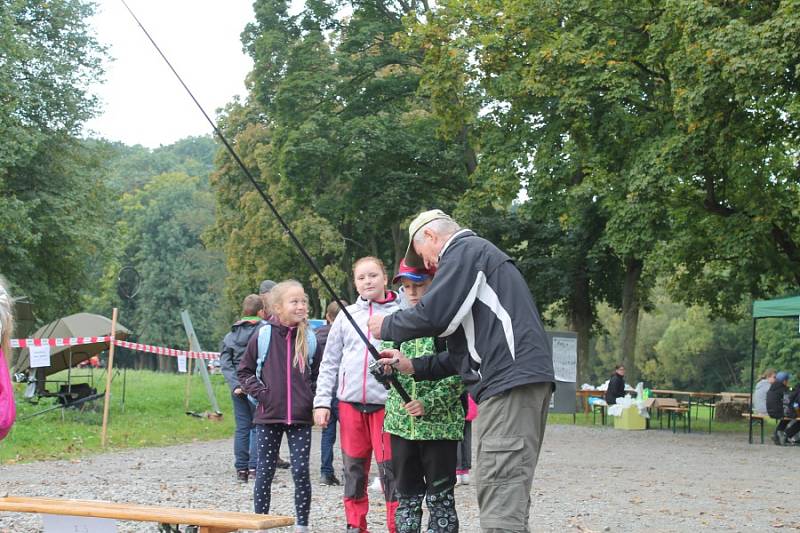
(400, 243)
(630, 317)
(470, 159)
(581, 322)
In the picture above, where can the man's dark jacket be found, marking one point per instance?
(778, 401)
(233, 346)
(616, 388)
(480, 302)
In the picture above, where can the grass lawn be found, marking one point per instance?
(154, 414)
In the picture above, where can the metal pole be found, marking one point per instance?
(752, 380)
(195, 344)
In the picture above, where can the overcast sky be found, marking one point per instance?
(142, 102)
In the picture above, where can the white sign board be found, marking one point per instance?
(40, 355)
(77, 524)
(565, 358)
(182, 363)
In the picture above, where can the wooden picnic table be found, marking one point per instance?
(689, 395)
(584, 396)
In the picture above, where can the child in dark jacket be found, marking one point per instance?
(284, 392)
(233, 347)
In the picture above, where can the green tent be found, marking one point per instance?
(777, 308)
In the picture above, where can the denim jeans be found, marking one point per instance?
(244, 436)
(328, 440)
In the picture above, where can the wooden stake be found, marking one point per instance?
(109, 370)
(188, 381)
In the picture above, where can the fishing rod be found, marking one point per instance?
(375, 367)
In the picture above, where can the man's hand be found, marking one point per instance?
(322, 416)
(415, 408)
(374, 324)
(238, 391)
(395, 360)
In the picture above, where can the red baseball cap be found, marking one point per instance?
(414, 274)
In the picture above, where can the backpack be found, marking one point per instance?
(264, 338)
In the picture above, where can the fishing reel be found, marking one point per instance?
(376, 368)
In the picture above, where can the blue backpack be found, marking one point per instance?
(264, 338)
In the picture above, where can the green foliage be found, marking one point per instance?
(51, 201)
(159, 234)
(778, 346)
(681, 347)
(338, 135)
(668, 128)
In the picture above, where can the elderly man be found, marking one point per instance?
(480, 302)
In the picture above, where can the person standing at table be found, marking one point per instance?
(616, 385)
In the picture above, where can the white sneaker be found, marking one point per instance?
(464, 479)
(458, 479)
(376, 485)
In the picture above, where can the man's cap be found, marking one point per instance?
(780, 377)
(412, 273)
(412, 258)
(266, 286)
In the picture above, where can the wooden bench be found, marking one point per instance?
(673, 410)
(757, 418)
(202, 521)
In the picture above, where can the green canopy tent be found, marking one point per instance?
(777, 308)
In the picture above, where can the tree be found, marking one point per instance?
(640, 109)
(161, 230)
(342, 139)
(47, 178)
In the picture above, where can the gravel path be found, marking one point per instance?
(588, 479)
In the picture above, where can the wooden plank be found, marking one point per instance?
(144, 513)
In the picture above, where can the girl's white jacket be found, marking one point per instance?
(347, 358)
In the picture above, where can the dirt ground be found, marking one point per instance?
(588, 479)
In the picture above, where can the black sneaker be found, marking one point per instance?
(241, 476)
(252, 473)
(283, 464)
(330, 480)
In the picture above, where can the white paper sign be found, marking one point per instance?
(77, 524)
(40, 355)
(182, 363)
(565, 358)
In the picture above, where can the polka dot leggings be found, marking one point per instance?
(269, 444)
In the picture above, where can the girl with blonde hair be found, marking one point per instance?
(278, 370)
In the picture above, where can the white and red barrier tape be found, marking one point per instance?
(65, 341)
(76, 341)
(160, 350)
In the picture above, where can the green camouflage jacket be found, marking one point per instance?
(444, 414)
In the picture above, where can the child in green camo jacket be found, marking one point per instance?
(424, 432)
